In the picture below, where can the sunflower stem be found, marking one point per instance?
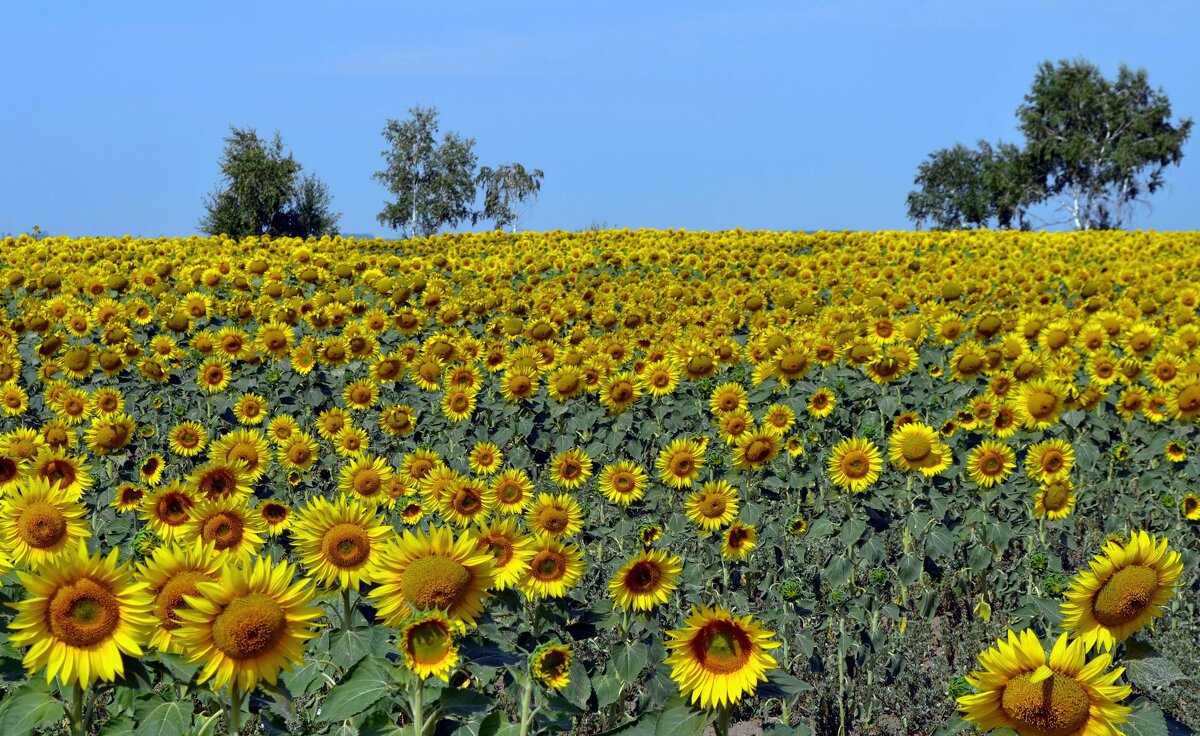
(347, 611)
(417, 702)
(235, 708)
(526, 698)
(90, 711)
(77, 709)
(722, 725)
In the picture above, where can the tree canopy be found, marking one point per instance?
(263, 192)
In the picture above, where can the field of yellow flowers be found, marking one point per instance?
(624, 482)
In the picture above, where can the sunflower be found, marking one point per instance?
(351, 441)
(661, 378)
(127, 497)
(727, 397)
(361, 394)
(398, 420)
(645, 581)
(420, 462)
(411, 509)
(1049, 460)
(1184, 398)
(485, 458)
(779, 417)
(564, 383)
(299, 452)
(166, 509)
(249, 446)
(249, 625)
(188, 439)
(735, 424)
(915, 447)
(81, 616)
(1131, 401)
(433, 572)
(511, 548)
(339, 542)
(458, 404)
(1038, 403)
(216, 480)
(553, 569)
(331, 422)
(623, 482)
(366, 477)
(740, 539)
(713, 506)
(170, 573)
(512, 489)
(1189, 506)
(1018, 688)
(620, 391)
(40, 523)
(519, 383)
(110, 433)
(437, 484)
(1175, 451)
(680, 462)
(1125, 588)
(228, 525)
(250, 409)
(1004, 423)
(854, 464)
(1055, 500)
(13, 400)
(151, 469)
(717, 658)
(277, 515)
(214, 375)
(756, 448)
(570, 468)
(550, 665)
(428, 642)
(70, 474)
(990, 462)
(558, 516)
(821, 403)
(467, 501)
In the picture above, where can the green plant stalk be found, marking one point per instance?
(526, 700)
(722, 725)
(235, 708)
(77, 710)
(417, 704)
(347, 611)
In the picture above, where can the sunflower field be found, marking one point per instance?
(647, 483)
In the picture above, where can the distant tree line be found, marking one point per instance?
(434, 184)
(1093, 149)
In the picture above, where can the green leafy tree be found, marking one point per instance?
(263, 192)
(1099, 146)
(964, 188)
(434, 184)
(504, 188)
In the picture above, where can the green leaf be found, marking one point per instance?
(852, 531)
(29, 707)
(122, 726)
(347, 648)
(300, 679)
(464, 702)
(680, 719)
(1151, 673)
(980, 558)
(909, 569)
(178, 667)
(364, 685)
(837, 572)
(630, 660)
(164, 718)
(608, 688)
(579, 688)
(1145, 720)
(380, 723)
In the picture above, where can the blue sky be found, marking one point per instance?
(700, 115)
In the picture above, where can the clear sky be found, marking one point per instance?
(701, 115)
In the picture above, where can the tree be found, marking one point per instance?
(433, 184)
(263, 192)
(1098, 146)
(962, 188)
(505, 187)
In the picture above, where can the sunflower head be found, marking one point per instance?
(718, 658)
(550, 665)
(428, 642)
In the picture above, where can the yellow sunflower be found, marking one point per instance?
(485, 458)
(680, 462)
(1055, 500)
(299, 452)
(428, 642)
(620, 391)
(550, 665)
(70, 474)
(718, 658)
(166, 509)
(854, 464)
(170, 573)
(623, 482)
(339, 542)
(512, 489)
(366, 477)
(727, 397)
(1049, 460)
(553, 569)
(39, 523)
(645, 581)
(570, 468)
(1018, 688)
(713, 506)
(80, 617)
(990, 462)
(1189, 506)
(249, 625)
(1125, 588)
(1038, 403)
(558, 516)
(249, 446)
(740, 539)
(228, 525)
(188, 439)
(821, 404)
(250, 409)
(277, 515)
(511, 548)
(756, 448)
(467, 501)
(432, 572)
(915, 447)
(218, 480)
(458, 404)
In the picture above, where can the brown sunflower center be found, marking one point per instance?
(759, 451)
(41, 525)
(856, 465)
(554, 520)
(217, 483)
(61, 472)
(1052, 462)
(722, 647)
(434, 582)
(713, 505)
(499, 546)
(468, 501)
(1041, 404)
(623, 481)
(1189, 398)
(172, 508)
(170, 598)
(367, 482)
(1126, 595)
(299, 453)
(224, 529)
(991, 464)
(509, 492)
(643, 578)
(548, 565)
(346, 546)
(1056, 706)
(570, 469)
(249, 626)
(84, 613)
(682, 465)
